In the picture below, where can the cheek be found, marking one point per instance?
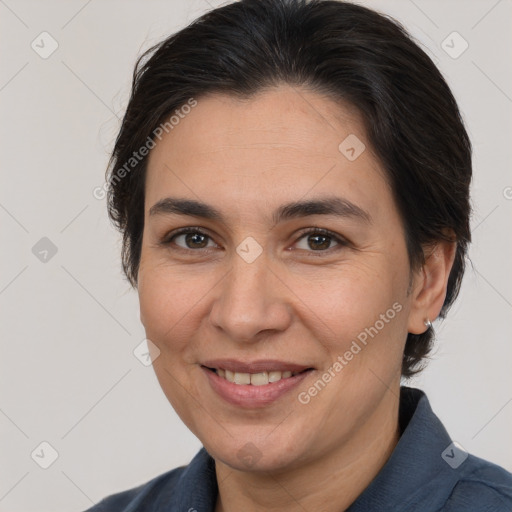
(358, 294)
(167, 303)
(365, 303)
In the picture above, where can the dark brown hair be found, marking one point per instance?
(352, 53)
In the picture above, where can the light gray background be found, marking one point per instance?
(69, 325)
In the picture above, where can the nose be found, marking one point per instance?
(253, 302)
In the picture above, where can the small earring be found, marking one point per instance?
(428, 323)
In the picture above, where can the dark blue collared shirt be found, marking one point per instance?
(426, 472)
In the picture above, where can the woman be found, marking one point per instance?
(291, 180)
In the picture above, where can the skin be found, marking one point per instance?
(295, 302)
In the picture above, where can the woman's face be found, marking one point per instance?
(255, 289)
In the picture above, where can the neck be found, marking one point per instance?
(331, 482)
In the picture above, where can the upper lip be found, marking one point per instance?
(257, 366)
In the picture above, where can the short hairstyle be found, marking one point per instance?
(343, 50)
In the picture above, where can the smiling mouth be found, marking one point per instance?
(255, 379)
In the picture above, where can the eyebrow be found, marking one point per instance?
(336, 206)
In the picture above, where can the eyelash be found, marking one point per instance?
(341, 242)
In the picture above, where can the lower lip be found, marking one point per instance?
(247, 395)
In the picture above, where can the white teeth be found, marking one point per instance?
(242, 378)
(256, 379)
(259, 379)
(274, 376)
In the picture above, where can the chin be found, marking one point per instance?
(250, 453)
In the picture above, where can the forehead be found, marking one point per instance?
(284, 116)
(285, 141)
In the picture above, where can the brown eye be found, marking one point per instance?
(195, 240)
(189, 238)
(319, 240)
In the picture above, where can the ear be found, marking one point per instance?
(429, 285)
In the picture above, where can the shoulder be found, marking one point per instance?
(481, 486)
(141, 498)
(178, 489)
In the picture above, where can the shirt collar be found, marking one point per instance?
(416, 472)
(195, 490)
